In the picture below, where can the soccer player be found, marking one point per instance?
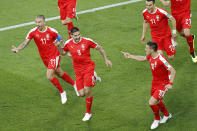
(79, 47)
(44, 37)
(181, 11)
(67, 10)
(161, 82)
(157, 19)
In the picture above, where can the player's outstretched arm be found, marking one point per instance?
(145, 27)
(129, 56)
(173, 21)
(107, 61)
(21, 46)
(165, 3)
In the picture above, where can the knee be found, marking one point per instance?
(66, 21)
(187, 33)
(50, 77)
(59, 74)
(81, 94)
(171, 57)
(151, 102)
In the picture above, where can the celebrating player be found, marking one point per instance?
(181, 11)
(161, 82)
(44, 37)
(157, 19)
(67, 10)
(79, 47)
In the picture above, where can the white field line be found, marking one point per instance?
(81, 12)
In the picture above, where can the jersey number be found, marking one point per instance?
(79, 52)
(153, 21)
(44, 41)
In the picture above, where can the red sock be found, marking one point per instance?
(57, 84)
(155, 110)
(163, 108)
(68, 79)
(69, 27)
(89, 104)
(190, 43)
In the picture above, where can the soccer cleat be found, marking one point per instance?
(165, 118)
(194, 59)
(87, 117)
(63, 97)
(75, 87)
(155, 124)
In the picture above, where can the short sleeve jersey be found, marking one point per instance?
(158, 22)
(180, 6)
(159, 67)
(80, 51)
(44, 41)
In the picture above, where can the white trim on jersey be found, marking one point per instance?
(144, 10)
(30, 32)
(164, 12)
(52, 29)
(57, 60)
(164, 62)
(66, 42)
(90, 40)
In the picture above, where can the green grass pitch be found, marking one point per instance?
(29, 102)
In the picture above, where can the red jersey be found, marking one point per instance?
(67, 1)
(180, 6)
(80, 52)
(158, 22)
(44, 41)
(159, 67)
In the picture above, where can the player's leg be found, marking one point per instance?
(55, 82)
(163, 109)
(190, 41)
(52, 65)
(89, 82)
(153, 105)
(184, 30)
(89, 100)
(80, 84)
(59, 72)
(67, 13)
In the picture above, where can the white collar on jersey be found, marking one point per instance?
(44, 30)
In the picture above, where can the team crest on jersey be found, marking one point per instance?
(83, 46)
(157, 17)
(71, 46)
(47, 36)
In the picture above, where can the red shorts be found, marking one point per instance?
(183, 21)
(52, 63)
(158, 90)
(85, 78)
(166, 44)
(67, 9)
